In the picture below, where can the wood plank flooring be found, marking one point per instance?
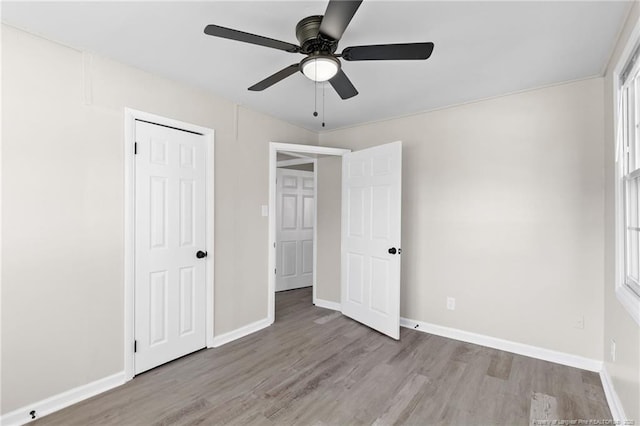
(317, 367)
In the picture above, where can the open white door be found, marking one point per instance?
(371, 213)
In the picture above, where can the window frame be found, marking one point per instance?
(627, 289)
(628, 176)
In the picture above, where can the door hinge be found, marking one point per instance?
(275, 271)
(135, 148)
(135, 346)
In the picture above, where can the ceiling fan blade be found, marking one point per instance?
(336, 18)
(218, 31)
(402, 51)
(273, 79)
(341, 83)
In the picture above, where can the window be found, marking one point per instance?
(629, 176)
(628, 184)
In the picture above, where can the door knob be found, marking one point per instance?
(392, 250)
(200, 254)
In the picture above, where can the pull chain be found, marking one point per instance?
(324, 85)
(315, 99)
(315, 93)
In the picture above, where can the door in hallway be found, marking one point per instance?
(294, 228)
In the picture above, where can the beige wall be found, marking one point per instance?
(503, 210)
(618, 324)
(62, 210)
(329, 217)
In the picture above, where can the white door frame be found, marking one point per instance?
(309, 150)
(130, 117)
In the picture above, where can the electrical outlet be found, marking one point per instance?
(451, 303)
(264, 210)
(579, 322)
(613, 350)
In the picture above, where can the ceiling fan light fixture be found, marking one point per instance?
(320, 68)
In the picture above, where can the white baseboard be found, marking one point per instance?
(62, 400)
(615, 405)
(240, 332)
(505, 345)
(327, 304)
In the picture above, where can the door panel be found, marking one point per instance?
(187, 300)
(355, 206)
(187, 212)
(158, 220)
(294, 229)
(170, 294)
(289, 258)
(158, 315)
(308, 206)
(380, 282)
(290, 211)
(355, 277)
(371, 212)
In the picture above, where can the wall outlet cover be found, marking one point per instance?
(451, 303)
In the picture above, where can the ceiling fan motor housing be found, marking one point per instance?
(308, 34)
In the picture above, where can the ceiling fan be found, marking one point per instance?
(319, 36)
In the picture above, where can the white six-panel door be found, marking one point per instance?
(371, 213)
(170, 281)
(294, 229)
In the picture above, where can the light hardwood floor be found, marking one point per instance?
(317, 367)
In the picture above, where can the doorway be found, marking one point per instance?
(295, 193)
(292, 155)
(370, 232)
(168, 240)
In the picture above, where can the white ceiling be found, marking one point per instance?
(482, 49)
